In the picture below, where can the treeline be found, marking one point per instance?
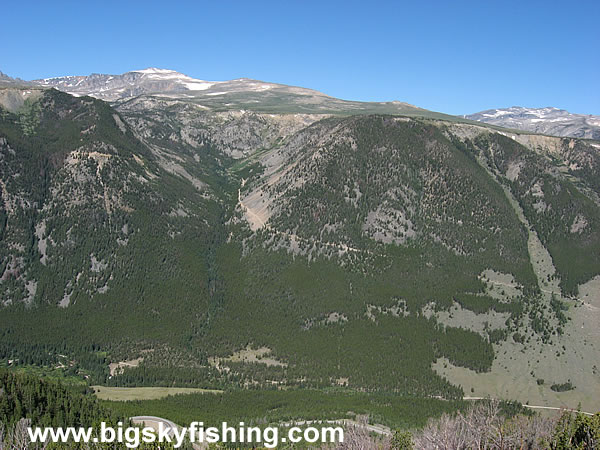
(275, 301)
(198, 377)
(275, 406)
(484, 303)
(84, 361)
(28, 401)
(48, 403)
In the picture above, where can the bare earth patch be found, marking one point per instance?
(256, 208)
(117, 368)
(500, 286)
(250, 355)
(459, 317)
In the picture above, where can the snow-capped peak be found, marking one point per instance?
(547, 120)
(187, 82)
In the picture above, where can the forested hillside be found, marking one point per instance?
(165, 243)
(47, 403)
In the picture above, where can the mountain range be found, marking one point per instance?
(226, 95)
(551, 121)
(271, 97)
(249, 234)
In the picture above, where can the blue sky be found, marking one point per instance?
(455, 56)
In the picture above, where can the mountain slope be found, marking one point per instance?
(551, 121)
(97, 238)
(243, 248)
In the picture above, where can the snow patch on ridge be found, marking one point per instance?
(155, 70)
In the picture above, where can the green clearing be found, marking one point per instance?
(122, 394)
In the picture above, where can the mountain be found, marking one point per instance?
(237, 94)
(550, 121)
(215, 245)
(268, 97)
(130, 84)
(6, 81)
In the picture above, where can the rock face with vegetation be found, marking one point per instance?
(361, 250)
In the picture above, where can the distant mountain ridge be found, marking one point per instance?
(241, 93)
(131, 84)
(265, 97)
(6, 81)
(549, 120)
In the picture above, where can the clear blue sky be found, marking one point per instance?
(452, 56)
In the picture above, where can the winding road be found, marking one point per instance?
(553, 408)
(153, 422)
